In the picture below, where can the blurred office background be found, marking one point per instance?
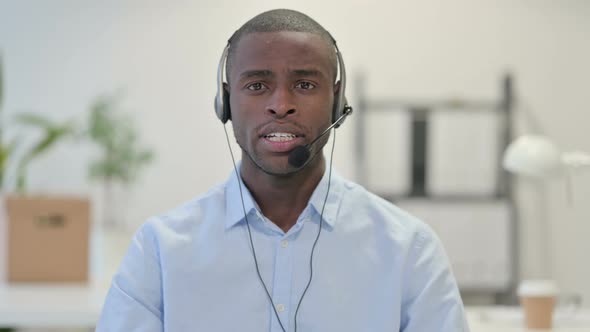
(161, 58)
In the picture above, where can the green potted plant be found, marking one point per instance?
(121, 157)
(57, 224)
(52, 134)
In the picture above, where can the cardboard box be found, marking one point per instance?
(48, 238)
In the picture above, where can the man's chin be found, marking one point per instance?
(275, 165)
(279, 170)
(279, 167)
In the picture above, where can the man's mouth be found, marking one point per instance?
(280, 137)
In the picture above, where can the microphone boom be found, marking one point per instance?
(299, 156)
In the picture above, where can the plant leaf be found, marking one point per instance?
(52, 133)
(122, 156)
(32, 119)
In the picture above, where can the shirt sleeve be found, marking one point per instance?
(431, 299)
(134, 301)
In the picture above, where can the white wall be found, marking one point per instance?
(61, 54)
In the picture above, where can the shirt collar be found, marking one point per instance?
(234, 199)
(235, 211)
(334, 197)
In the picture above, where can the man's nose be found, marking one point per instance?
(281, 103)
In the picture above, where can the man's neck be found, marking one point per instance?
(282, 199)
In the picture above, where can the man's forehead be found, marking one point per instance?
(265, 42)
(259, 48)
(271, 36)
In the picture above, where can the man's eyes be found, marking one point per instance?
(304, 85)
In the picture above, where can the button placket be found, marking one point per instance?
(282, 282)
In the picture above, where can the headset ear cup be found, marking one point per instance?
(337, 113)
(339, 99)
(226, 108)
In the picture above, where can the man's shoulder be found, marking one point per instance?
(381, 211)
(191, 213)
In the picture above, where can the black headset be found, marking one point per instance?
(223, 110)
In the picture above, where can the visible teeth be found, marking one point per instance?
(280, 137)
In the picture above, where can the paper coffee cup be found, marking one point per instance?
(537, 298)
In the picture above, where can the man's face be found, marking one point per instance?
(281, 95)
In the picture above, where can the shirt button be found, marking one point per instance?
(280, 307)
(284, 243)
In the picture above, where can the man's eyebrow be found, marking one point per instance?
(256, 73)
(307, 72)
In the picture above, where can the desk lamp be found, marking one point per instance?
(538, 156)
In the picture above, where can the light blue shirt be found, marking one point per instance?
(376, 269)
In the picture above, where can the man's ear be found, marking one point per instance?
(336, 88)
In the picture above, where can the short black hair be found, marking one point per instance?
(278, 20)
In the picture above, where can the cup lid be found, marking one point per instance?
(537, 288)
